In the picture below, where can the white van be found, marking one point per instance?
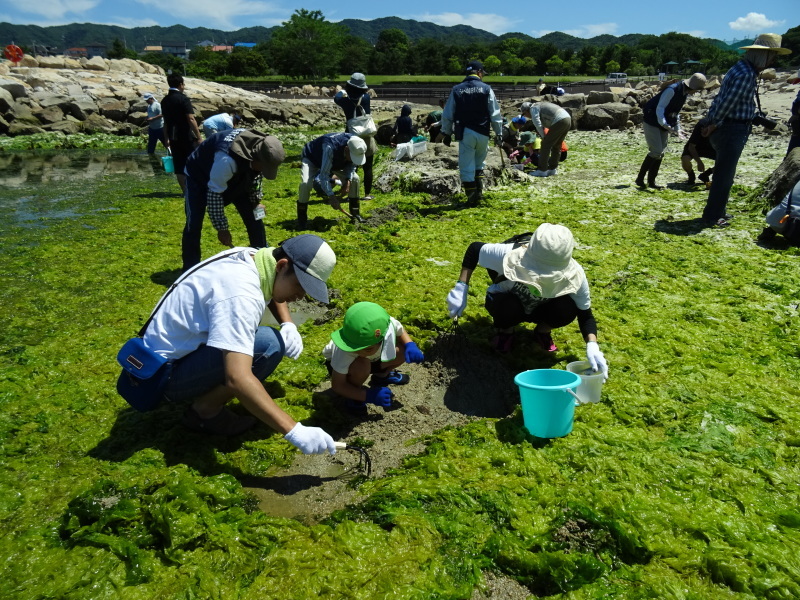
(616, 79)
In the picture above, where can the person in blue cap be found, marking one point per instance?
(472, 114)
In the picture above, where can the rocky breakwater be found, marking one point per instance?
(98, 95)
(622, 107)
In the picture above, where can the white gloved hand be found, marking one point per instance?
(457, 299)
(310, 440)
(596, 359)
(291, 340)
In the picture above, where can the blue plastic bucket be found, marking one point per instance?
(548, 403)
(169, 167)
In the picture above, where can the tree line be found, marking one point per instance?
(309, 47)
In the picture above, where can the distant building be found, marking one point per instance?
(76, 52)
(206, 43)
(245, 45)
(175, 49)
(227, 49)
(93, 50)
(153, 49)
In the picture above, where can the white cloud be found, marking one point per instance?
(487, 21)
(54, 10)
(221, 15)
(754, 22)
(585, 31)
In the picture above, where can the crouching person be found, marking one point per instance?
(331, 154)
(208, 325)
(369, 343)
(538, 282)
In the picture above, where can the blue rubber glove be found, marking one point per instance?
(380, 396)
(413, 353)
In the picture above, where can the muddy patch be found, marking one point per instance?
(458, 383)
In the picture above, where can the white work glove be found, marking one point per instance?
(310, 440)
(291, 340)
(457, 299)
(596, 359)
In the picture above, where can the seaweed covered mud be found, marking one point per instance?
(681, 483)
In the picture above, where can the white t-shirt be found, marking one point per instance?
(491, 257)
(220, 305)
(342, 359)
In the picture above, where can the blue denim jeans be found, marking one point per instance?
(153, 137)
(203, 370)
(195, 209)
(472, 150)
(728, 140)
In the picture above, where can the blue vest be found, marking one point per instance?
(198, 165)
(313, 150)
(673, 108)
(471, 98)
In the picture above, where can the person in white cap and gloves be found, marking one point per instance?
(331, 154)
(534, 282)
(208, 327)
(155, 122)
(662, 118)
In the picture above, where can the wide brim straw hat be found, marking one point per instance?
(767, 41)
(546, 263)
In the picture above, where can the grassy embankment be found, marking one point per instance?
(682, 483)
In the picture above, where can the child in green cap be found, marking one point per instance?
(369, 343)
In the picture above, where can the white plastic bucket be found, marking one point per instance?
(591, 382)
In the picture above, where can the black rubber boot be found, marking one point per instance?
(655, 165)
(705, 176)
(479, 177)
(691, 177)
(302, 215)
(355, 210)
(643, 171)
(471, 190)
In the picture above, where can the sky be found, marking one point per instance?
(725, 20)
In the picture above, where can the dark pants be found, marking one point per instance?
(195, 208)
(728, 141)
(153, 137)
(370, 158)
(180, 150)
(203, 370)
(506, 310)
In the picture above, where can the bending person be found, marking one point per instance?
(355, 101)
(556, 122)
(535, 283)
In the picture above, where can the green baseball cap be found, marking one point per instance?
(365, 324)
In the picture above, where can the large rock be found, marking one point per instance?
(113, 109)
(599, 116)
(95, 123)
(6, 100)
(596, 97)
(783, 178)
(80, 106)
(96, 63)
(49, 115)
(572, 100)
(46, 99)
(67, 127)
(17, 89)
(52, 62)
(23, 128)
(28, 61)
(3, 126)
(768, 75)
(22, 111)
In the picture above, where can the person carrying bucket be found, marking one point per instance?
(538, 282)
(370, 342)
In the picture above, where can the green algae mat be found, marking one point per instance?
(682, 483)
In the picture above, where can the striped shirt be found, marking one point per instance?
(736, 98)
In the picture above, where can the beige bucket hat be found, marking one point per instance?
(546, 263)
(767, 41)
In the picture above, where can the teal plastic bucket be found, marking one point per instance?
(169, 167)
(548, 402)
